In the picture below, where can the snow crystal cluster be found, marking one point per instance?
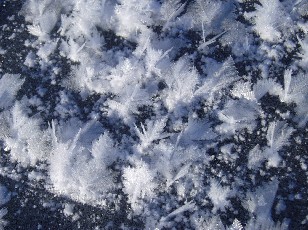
(192, 113)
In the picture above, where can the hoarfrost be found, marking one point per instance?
(177, 109)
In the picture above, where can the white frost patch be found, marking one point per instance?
(186, 207)
(182, 82)
(25, 140)
(47, 49)
(237, 115)
(219, 195)
(9, 85)
(197, 130)
(2, 51)
(30, 59)
(269, 19)
(79, 169)
(128, 24)
(256, 157)
(68, 209)
(152, 132)
(36, 176)
(260, 203)
(139, 184)
(278, 135)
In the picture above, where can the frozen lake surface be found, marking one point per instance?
(126, 114)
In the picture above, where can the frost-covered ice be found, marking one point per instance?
(172, 114)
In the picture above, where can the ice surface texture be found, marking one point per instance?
(191, 113)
